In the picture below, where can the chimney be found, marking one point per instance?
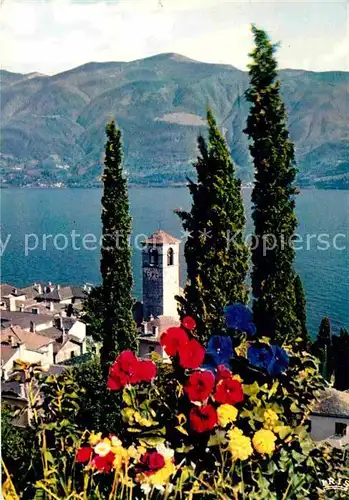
(39, 288)
(21, 308)
(14, 291)
(32, 327)
(155, 331)
(52, 308)
(12, 341)
(58, 287)
(65, 335)
(144, 328)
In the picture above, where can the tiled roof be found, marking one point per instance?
(7, 352)
(163, 323)
(32, 341)
(333, 403)
(161, 238)
(23, 319)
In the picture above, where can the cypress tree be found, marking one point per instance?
(301, 308)
(324, 334)
(322, 347)
(118, 326)
(273, 203)
(216, 256)
(341, 360)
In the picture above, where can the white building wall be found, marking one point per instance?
(323, 428)
(78, 330)
(66, 352)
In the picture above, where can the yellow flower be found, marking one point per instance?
(239, 445)
(95, 438)
(264, 441)
(103, 448)
(226, 414)
(121, 455)
(270, 419)
(136, 453)
(162, 476)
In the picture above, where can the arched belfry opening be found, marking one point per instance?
(153, 257)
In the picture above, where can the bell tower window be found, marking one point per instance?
(170, 257)
(153, 257)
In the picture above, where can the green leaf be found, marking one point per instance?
(126, 397)
(152, 441)
(283, 430)
(294, 408)
(48, 457)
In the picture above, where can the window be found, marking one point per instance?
(340, 429)
(151, 349)
(72, 354)
(153, 257)
(170, 257)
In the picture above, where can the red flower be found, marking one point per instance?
(191, 355)
(104, 464)
(152, 462)
(199, 386)
(222, 373)
(146, 371)
(229, 391)
(203, 418)
(84, 454)
(189, 322)
(173, 339)
(123, 371)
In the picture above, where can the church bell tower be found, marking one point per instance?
(160, 268)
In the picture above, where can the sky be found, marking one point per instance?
(50, 36)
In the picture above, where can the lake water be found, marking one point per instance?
(41, 213)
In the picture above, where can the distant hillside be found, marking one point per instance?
(53, 126)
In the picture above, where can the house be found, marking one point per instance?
(31, 347)
(69, 337)
(160, 272)
(149, 338)
(330, 418)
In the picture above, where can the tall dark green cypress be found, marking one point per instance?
(301, 308)
(118, 326)
(215, 252)
(272, 198)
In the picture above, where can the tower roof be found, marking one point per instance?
(161, 238)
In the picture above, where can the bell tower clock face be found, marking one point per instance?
(152, 273)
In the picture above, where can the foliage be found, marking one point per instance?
(215, 253)
(98, 408)
(322, 348)
(301, 308)
(340, 349)
(225, 428)
(273, 213)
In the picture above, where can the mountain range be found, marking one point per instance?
(53, 127)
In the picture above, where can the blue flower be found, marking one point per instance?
(274, 359)
(239, 317)
(219, 351)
